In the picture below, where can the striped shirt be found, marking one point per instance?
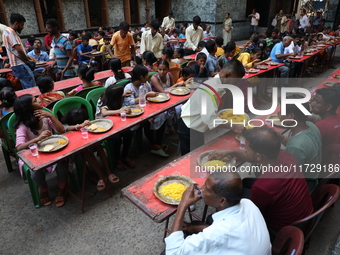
(60, 47)
(11, 38)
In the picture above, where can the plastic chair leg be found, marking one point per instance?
(7, 159)
(33, 188)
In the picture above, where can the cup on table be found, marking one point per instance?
(123, 116)
(167, 90)
(34, 149)
(84, 133)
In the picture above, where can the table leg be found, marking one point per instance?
(166, 230)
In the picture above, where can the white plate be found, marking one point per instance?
(179, 91)
(52, 140)
(40, 63)
(135, 114)
(101, 123)
(162, 97)
(203, 158)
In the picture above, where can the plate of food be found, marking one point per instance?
(135, 111)
(179, 91)
(162, 97)
(321, 45)
(276, 120)
(100, 126)
(96, 53)
(271, 63)
(40, 62)
(228, 115)
(202, 160)
(337, 76)
(187, 57)
(329, 84)
(52, 143)
(295, 57)
(308, 54)
(169, 189)
(262, 67)
(252, 70)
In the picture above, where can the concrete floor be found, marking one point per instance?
(110, 225)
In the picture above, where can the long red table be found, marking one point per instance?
(8, 70)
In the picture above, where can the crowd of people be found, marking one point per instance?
(275, 200)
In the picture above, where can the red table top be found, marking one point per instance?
(330, 78)
(270, 68)
(76, 143)
(65, 84)
(141, 193)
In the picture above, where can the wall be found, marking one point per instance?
(143, 11)
(74, 15)
(26, 9)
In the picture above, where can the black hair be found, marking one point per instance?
(45, 84)
(116, 68)
(74, 34)
(201, 55)
(16, 17)
(229, 47)
(74, 116)
(196, 20)
(155, 24)
(210, 46)
(171, 13)
(235, 67)
(25, 113)
(36, 39)
(124, 26)
(85, 38)
(292, 108)
(102, 33)
(89, 34)
(255, 38)
(31, 39)
(52, 22)
(330, 96)
(276, 31)
(177, 31)
(268, 33)
(105, 38)
(138, 71)
(185, 24)
(219, 41)
(112, 97)
(163, 62)
(168, 52)
(186, 71)
(255, 50)
(7, 97)
(264, 140)
(201, 44)
(86, 73)
(180, 51)
(262, 44)
(149, 57)
(228, 186)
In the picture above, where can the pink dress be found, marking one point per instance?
(24, 134)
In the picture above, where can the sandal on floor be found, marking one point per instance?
(130, 163)
(60, 201)
(100, 185)
(113, 178)
(159, 153)
(44, 198)
(165, 147)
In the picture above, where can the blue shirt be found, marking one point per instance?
(42, 57)
(278, 49)
(211, 64)
(83, 49)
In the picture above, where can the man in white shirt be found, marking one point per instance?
(168, 22)
(207, 32)
(152, 40)
(193, 35)
(304, 22)
(254, 22)
(238, 226)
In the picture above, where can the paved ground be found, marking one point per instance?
(109, 225)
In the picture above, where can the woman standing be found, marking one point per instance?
(227, 26)
(279, 17)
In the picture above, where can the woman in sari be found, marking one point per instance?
(227, 26)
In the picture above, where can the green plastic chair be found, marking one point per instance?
(93, 97)
(150, 75)
(26, 171)
(66, 104)
(85, 91)
(7, 144)
(184, 64)
(123, 82)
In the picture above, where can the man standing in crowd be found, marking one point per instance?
(168, 22)
(254, 22)
(63, 51)
(193, 35)
(304, 22)
(152, 40)
(123, 44)
(16, 52)
(235, 222)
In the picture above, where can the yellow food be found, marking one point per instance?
(137, 110)
(249, 127)
(48, 147)
(61, 142)
(173, 190)
(215, 163)
(101, 129)
(228, 115)
(93, 127)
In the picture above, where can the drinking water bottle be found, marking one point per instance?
(142, 92)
